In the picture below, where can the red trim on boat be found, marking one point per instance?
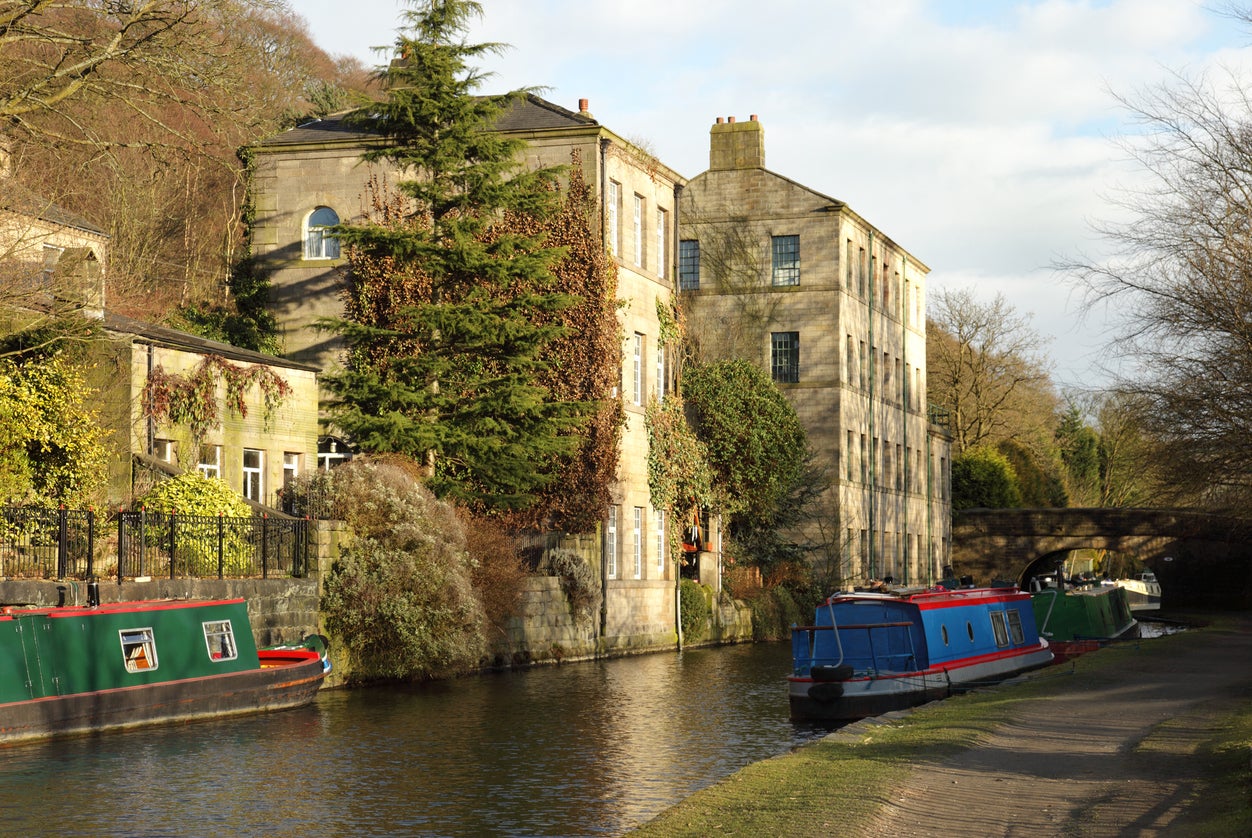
(939, 669)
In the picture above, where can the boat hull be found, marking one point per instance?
(814, 701)
(872, 652)
(272, 687)
(1079, 621)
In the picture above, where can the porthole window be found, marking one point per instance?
(969, 628)
(944, 630)
(317, 243)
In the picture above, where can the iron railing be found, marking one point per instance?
(171, 545)
(43, 543)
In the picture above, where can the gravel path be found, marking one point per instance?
(1109, 760)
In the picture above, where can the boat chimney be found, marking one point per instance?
(93, 594)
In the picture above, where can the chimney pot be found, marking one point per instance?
(752, 118)
(731, 120)
(582, 105)
(720, 120)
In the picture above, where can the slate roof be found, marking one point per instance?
(175, 339)
(530, 114)
(16, 198)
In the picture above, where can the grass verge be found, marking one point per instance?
(845, 779)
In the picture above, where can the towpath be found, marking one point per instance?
(1111, 759)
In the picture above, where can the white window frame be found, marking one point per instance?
(661, 223)
(639, 231)
(210, 467)
(317, 245)
(139, 652)
(660, 543)
(638, 542)
(610, 545)
(291, 467)
(637, 394)
(219, 640)
(254, 475)
(615, 233)
(660, 370)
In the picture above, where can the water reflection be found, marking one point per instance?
(583, 749)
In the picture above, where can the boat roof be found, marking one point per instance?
(936, 597)
(10, 612)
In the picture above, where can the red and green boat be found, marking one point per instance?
(78, 669)
(1080, 618)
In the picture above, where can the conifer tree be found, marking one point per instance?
(450, 312)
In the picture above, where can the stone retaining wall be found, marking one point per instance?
(281, 610)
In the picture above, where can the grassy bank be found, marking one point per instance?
(844, 779)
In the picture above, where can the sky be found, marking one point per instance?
(980, 135)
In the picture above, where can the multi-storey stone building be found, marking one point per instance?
(312, 177)
(782, 275)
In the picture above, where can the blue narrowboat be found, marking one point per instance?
(869, 653)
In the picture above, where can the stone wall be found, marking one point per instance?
(281, 610)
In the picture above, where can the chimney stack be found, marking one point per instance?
(737, 145)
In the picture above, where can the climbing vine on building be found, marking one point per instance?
(192, 399)
(680, 481)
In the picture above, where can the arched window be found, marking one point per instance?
(317, 244)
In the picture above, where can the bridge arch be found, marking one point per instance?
(1209, 556)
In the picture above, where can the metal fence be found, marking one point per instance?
(41, 543)
(159, 544)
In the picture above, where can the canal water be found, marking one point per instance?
(585, 749)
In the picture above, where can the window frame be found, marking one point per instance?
(660, 543)
(785, 260)
(639, 250)
(639, 535)
(223, 631)
(638, 388)
(139, 644)
(614, 220)
(610, 544)
(316, 245)
(254, 475)
(206, 467)
(661, 223)
(784, 357)
(689, 265)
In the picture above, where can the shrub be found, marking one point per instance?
(696, 613)
(400, 597)
(578, 582)
(194, 494)
(497, 570)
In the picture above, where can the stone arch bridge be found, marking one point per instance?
(1201, 559)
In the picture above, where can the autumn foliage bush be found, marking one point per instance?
(400, 597)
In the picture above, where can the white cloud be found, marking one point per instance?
(976, 133)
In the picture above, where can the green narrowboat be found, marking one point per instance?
(76, 669)
(1078, 619)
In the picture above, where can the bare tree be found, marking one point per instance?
(984, 366)
(1181, 279)
(131, 114)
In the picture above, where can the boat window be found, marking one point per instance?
(1015, 628)
(138, 649)
(944, 629)
(969, 629)
(219, 636)
(999, 627)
